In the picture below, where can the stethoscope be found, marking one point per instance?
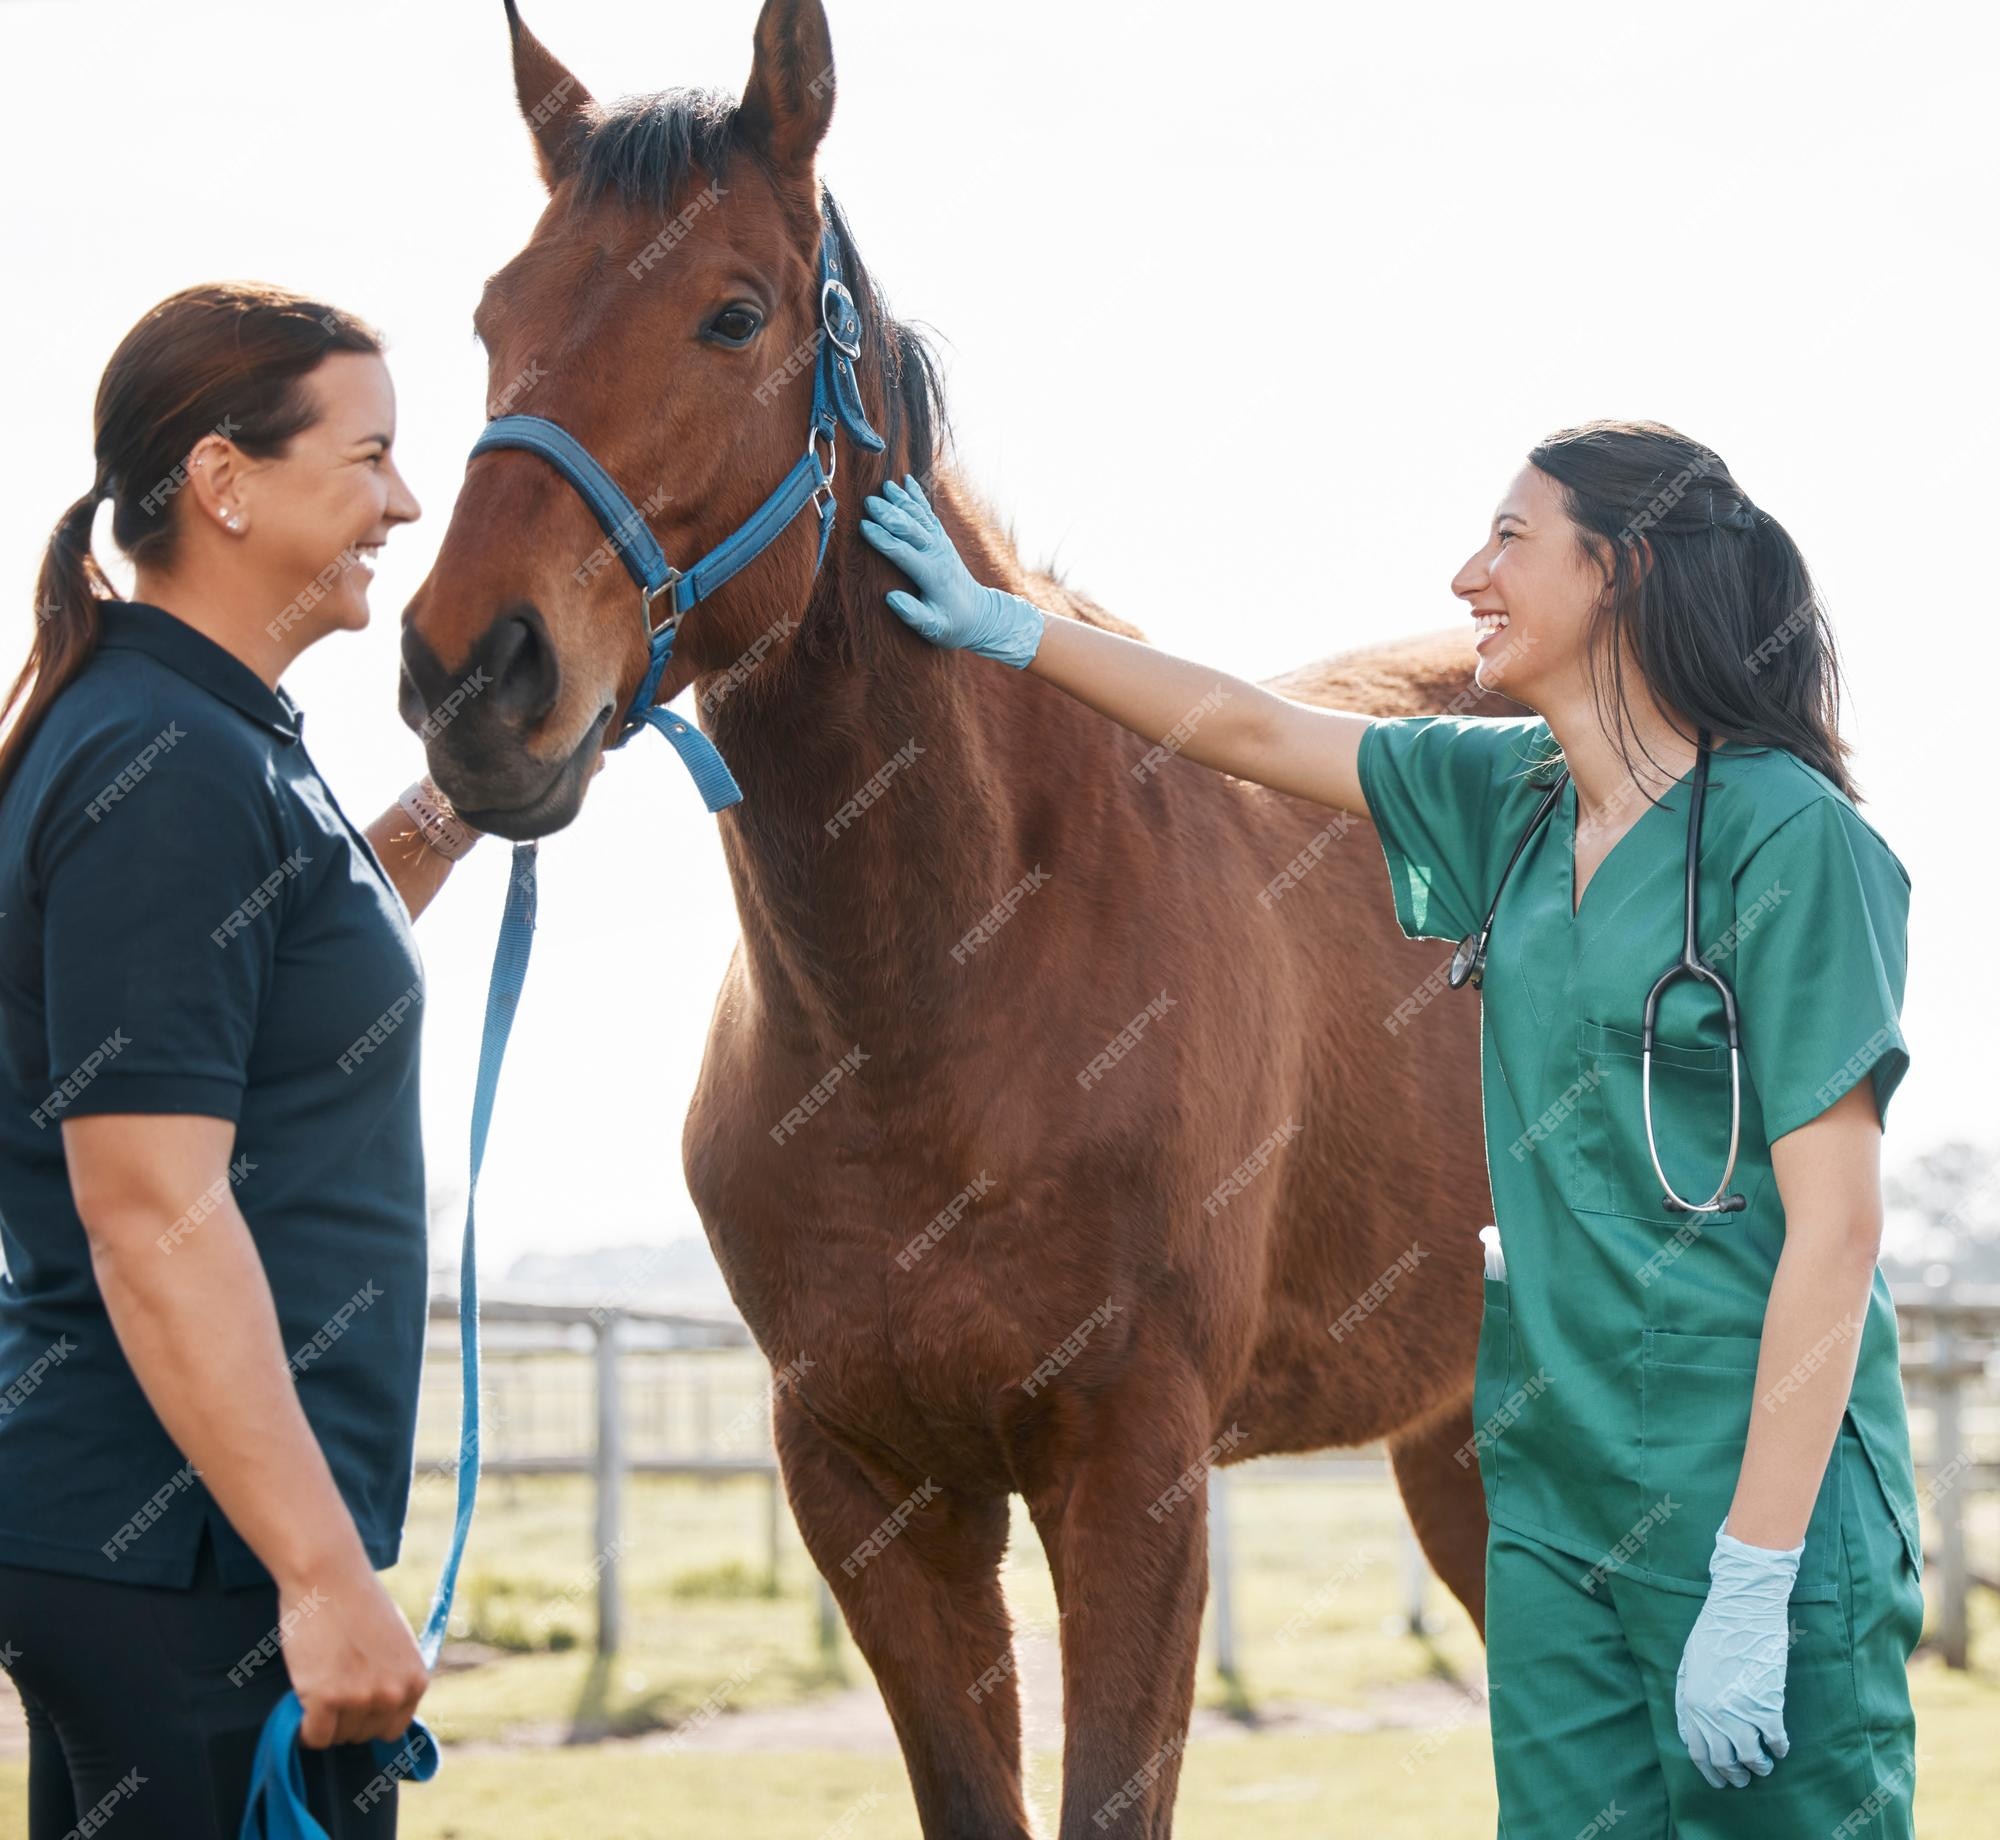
(1468, 965)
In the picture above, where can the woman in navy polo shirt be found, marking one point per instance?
(211, 1177)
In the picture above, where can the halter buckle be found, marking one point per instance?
(647, 596)
(846, 336)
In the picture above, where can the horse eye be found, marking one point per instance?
(735, 325)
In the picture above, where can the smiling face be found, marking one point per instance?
(312, 519)
(1531, 588)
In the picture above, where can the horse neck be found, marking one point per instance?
(850, 911)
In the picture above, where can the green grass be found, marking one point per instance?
(1279, 1788)
(1283, 1788)
(707, 1626)
(699, 1604)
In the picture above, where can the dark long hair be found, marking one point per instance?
(227, 357)
(1709, 593)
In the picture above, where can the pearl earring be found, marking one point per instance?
(233, 521)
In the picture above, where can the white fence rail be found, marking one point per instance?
(1951, 1373)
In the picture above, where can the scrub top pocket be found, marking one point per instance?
(1610, 1169)
(1697, 1395)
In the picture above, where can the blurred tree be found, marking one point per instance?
(1948, 1199)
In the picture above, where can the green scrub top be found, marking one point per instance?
(1617, 1360)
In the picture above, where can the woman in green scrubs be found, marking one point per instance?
(1703, 1571)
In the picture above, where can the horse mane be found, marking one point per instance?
(647, 150)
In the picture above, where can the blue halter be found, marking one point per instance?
(277, 1808)
(836, 404)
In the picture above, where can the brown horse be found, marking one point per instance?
(1072, 1117)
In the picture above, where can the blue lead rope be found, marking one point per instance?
(277, 1807)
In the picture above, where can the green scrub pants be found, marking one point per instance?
(1581, 1695)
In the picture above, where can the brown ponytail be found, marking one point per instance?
(227, 357)
(66, 600)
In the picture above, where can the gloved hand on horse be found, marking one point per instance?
(950, 608)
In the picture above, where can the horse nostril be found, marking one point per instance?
(520, 665)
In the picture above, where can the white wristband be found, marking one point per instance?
(439, 826)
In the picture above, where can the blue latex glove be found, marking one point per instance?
(950, 608)
(1729, 1694)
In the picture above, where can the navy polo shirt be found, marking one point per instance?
(190, 923)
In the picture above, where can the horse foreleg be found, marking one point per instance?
(1123, 1515)
(916, 1572)
(1437, 1474)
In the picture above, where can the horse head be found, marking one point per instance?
(667, 315)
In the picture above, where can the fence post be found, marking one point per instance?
(1221, 1573)
(1416, 1584)
(1948, 1447)
(772, 1527)
(829, 1617)
(609, 1460)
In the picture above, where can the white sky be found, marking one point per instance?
(1367, 256)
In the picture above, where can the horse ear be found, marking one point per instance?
(553, 102)
(788, 101)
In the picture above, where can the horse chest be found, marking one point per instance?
(928, 1358)
(915, 1282)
